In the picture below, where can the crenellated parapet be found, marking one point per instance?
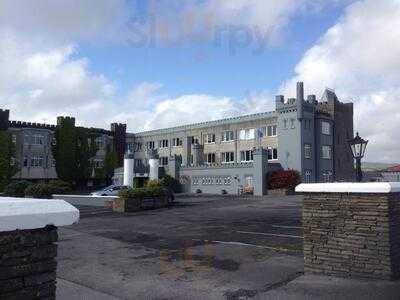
(19, 124)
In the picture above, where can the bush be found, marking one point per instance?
(153, 183)
(170, 183)
(283, 180)
(17, 188)
(143, 193)
(40, 190)
(60, 187)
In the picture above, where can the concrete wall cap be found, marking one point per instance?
(350, 187)
(27, 213)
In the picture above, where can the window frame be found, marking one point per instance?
(329, 151)
(307, 146)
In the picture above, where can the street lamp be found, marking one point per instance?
(358, 146)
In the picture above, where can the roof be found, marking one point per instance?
(232, 120)
(393, 169)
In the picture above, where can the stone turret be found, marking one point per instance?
(118, 131)
(4, 119)
(198, 155)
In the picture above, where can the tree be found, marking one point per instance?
(110, 163)
(73, 151)
(7, 149)
(85, 150)
(64, 149)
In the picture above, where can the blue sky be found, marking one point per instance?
(204, 67)
(70, 57)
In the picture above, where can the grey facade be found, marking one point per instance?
(301, 134)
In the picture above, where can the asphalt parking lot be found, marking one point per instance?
(201, 248)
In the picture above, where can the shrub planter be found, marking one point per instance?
(281, 192)
(132, 205)
(139, 199)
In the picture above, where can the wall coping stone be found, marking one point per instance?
(350, 187)
(29, 213)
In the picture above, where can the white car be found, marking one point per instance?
(111, 190)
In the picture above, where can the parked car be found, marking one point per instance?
(111, 190)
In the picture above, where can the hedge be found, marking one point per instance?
(17, 188)
(288, 179)
(40, 190)
(143, 193)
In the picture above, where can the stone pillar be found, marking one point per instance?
(154, 165)
(198, 155)
(28, 248)
(187, 151)
(352, 229)
(129, 169)
(260, 166)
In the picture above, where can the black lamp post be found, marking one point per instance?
(358, 146)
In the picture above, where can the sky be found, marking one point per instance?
(159, 63)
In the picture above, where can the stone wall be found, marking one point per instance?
(352, 235)
(28, 263)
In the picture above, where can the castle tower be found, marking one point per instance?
(119, 133)
(4, 119)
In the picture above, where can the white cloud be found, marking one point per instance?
(359, 58)
(235, 23)
(64, 20)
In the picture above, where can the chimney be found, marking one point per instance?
(300, 91)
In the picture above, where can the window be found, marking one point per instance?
(163, 143)
(325, 128)
(227, 157)
(327, 176)
(130, 147)
(272, 153)
(25, 161)
(271, 130)
(37, 161)
(194, 140)
(99, 142)
(307, 151)
(138, 146)
(176, 142)
(292, 125)
(227, 136)
(209, 138)
(97, 163)
(34, 139)
(307, 176)
(137, 162)
(14, 138)
(326, 152)
(163, 161)
(247, 134)
(210, 158)
(150, 145)
(246, 156)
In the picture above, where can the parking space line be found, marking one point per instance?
(272, 234)
(288, 227)
(248, 245)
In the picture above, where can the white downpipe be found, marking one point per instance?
(154, 164)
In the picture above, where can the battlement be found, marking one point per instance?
(19, 124)
(62, 120)
(219, 166)
(118, 127)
